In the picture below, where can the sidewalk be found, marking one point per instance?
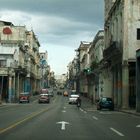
(86, 103)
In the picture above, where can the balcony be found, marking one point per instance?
(115, 49)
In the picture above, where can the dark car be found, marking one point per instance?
(24, 97)
(44, 98)
(105, 102)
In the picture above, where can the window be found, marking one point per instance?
(2, 63)
(138, 34)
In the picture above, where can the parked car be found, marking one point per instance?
(105, 102)
(73, 98)
(24, 97)
(44, 98)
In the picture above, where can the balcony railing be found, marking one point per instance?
(114, 49)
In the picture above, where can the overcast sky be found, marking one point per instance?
(60, 25)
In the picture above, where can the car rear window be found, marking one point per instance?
(106, 99)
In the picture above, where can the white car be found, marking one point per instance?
(73, 98)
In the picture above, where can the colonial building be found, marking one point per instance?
(19, 61)
(121, 41)
(96, 76)
(72, 75)
(83, 66)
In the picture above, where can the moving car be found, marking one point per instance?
(105, 102)
(65, 93)
(44, 98)
(73, 98)
(24, 97)
(73, 92)
(50, 92)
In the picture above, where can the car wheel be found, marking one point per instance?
(98, 108)
(112, 109)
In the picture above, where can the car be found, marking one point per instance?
(73, 99)
(65, 93)
(24, 97)
(44, 98)
(50, 92)
(106, 103)
(73, 92)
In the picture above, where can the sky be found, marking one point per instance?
(60, 25)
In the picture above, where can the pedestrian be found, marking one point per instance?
(78, 101)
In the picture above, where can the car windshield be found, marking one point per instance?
(24, 94)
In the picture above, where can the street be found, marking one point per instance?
(62, 121)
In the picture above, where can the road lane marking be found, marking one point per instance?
(63, 111)
(95, 118)
(85, 112)
(35, 101)
(63, 123)
(81, 109)
(8, 105)
(107, 113)
(119, 133)
(22, 121)
(138, 125)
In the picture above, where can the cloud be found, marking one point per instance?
(60, 25)
(78, 10)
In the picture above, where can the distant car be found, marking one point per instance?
(59, 92)
(73, 92)
(73, 98)
(44, 98)
(105, 102)
(24, 97)
(65, 93)
(50, 93)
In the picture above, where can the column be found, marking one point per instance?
(125, 86)
(10, 90)
(119, 85)
(14, 88)
(138, 81)
(115, 85)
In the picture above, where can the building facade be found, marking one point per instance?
(19, 61)
(96, 76)
(121, 29)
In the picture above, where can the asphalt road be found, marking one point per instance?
(61, 121)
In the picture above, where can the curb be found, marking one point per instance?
(129, 112)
